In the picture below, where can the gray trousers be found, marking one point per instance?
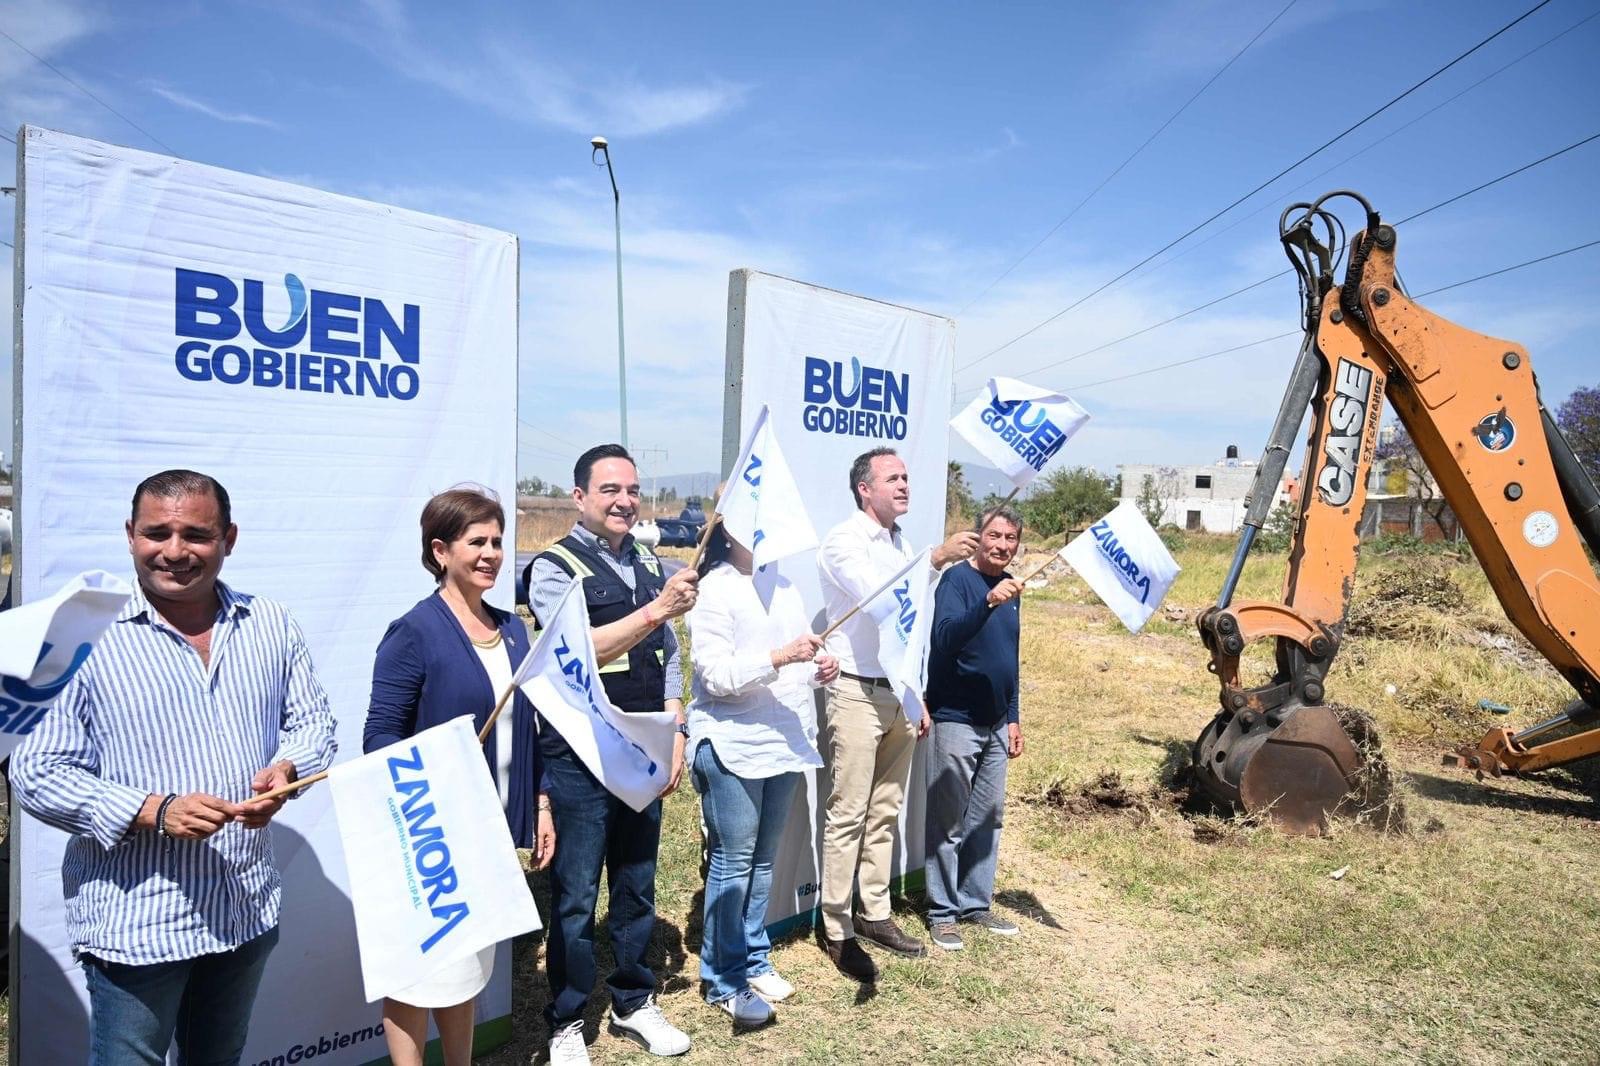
(966, 779)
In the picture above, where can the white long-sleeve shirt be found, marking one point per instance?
(761, 720)
(856, 557)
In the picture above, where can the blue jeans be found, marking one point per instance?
(966, 778)
(595, 829)
(744, 819)
(135, 1011)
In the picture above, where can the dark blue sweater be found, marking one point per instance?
(972, 660)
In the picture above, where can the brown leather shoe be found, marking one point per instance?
(890, 937)
(851, 960)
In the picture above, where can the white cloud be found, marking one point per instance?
(509, 76)
(189, 103)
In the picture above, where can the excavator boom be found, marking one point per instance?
(1471, 405)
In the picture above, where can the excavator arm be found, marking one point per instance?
(1471, 405)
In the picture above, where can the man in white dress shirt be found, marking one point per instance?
(868, 741)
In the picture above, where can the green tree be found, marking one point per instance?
(531, 486)
(1067, 499)
(958, 502)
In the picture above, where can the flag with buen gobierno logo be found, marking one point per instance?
(1018, 427)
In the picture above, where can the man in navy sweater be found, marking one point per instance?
(972, 699)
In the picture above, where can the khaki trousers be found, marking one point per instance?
(869, 745)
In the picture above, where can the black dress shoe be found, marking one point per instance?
(890, 937)
(851, 960)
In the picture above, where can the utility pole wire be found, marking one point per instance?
(1196, 228)
(1295, 332)
(1256, 284)
(1122, 165)
(64, 77)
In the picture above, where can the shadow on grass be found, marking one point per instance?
(1028, 905)
(1465, 790)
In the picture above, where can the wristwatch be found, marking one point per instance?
(683, 728)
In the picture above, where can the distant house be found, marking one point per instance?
(1211, 497)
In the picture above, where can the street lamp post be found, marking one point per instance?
(599, 146)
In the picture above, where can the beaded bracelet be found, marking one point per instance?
(161, 814)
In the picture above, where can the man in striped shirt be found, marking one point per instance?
(197, 698)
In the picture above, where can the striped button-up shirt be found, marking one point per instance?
(147, 716)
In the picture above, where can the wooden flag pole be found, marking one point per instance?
(705, 539)
(1042, 567)
(306, 782)
(989, 517)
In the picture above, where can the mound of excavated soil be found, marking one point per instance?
(1376, 800)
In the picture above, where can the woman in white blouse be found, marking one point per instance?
(752, 732)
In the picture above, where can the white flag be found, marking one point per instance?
(761, 505)
(43, 644)
(903, 610)
(434, 875)
(630, 754)
(1125, 563)
(1018, 427)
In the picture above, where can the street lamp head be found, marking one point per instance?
(598, 142)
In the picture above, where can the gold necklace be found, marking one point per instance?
(492, 642)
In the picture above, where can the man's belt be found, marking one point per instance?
(880, 682)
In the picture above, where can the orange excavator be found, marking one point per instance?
(1471, 405)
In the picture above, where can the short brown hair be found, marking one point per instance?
(448, 515)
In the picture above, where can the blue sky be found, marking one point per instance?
(906, 152)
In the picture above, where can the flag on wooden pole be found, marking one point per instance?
(629, 753)
(1018, 427)
(434, 873)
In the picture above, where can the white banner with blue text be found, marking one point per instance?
(1018, 427)
(439, 877)
(333, 362)
(1124, 561)
(841, 375)
(630, 754)
(44, 643)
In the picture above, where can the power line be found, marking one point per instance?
(7, 137)
(1136, 152)
(1291, 333)
(1256, 284)
(66, 78)
(1309, 183)
(1507, 270)
(1195, 229)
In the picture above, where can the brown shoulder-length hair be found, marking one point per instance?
(448, 515)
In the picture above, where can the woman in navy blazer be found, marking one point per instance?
(453, 654)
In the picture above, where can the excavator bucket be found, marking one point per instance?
(1295, 774)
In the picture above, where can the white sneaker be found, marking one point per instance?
(649, 1027)
(773, 988)
(567, 1048)
(749, 1011)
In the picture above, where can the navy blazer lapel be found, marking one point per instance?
(467, 652)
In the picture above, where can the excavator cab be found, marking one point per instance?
(1526, 505)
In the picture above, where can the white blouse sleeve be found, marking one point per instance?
(724, 669)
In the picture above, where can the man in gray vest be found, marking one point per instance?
(630, 607)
